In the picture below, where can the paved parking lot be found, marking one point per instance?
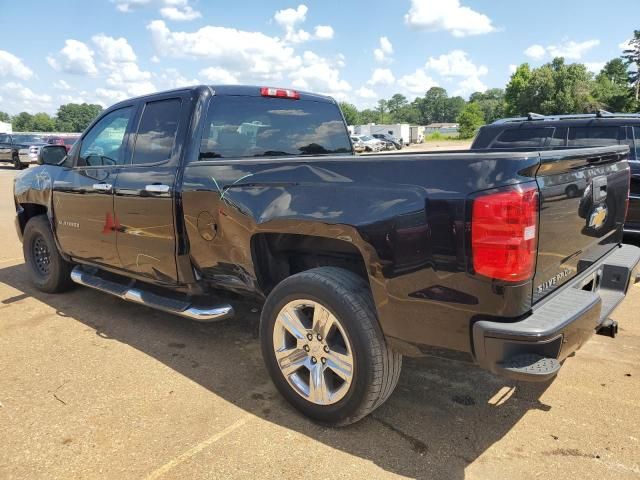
(92, 387)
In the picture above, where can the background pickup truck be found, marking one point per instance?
(21, 149)
(170, 199)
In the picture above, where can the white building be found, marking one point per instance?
(5, 127)
(401, 131)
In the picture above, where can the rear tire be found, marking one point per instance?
(48, 271)
(354, 344)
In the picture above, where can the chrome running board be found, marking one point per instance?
(152, 300)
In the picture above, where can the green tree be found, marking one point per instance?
(516, 93)
(350, 112)
(433, 106)
(615, 71)
(42, 122)
(470, 120)
(382, 109)
(74, 117)
(23, 122)
(369, 116)
(631, 55)
(4, 117)
(491, 103)
(453, 108)
(553, 88)
(396, 104)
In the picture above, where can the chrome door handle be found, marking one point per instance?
(157, 188)
(102, 187)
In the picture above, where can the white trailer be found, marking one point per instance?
(401, 131)
(5, 127)
(417, 134)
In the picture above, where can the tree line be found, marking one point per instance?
(551, 89)
(70, 118)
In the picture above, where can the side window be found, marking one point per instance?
(4, 139)
(103, 145)
(157, 131)
(636, 136)
(522, 137)
(594, 136)
(559, 138)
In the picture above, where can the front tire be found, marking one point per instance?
(48, 271)
(16, 163)
(323, 346)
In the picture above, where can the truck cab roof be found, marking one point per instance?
(225, 90)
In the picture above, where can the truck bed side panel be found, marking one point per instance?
(404, 213)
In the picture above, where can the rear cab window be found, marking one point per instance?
(247, 126)
(595, 136)
(522, 137)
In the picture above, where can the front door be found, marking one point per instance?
(83, 194)
(145, 191)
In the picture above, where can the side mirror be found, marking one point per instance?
(51, 154)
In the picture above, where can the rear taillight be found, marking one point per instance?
(279, 93)
(504, 228)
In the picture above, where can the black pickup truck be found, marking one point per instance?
(20, 149)
(169, 199)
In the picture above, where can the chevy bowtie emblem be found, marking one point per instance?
(598, 217)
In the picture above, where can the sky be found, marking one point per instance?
(102, 51)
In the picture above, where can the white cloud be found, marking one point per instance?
(319, 75)
(384, 52)
(572, 50)
(625, 45)
(180, 14)
(448, 15)
(595, 67)
(470, 85)
(114, 50)
(12, 66)
(455, 64)
(381, 76)
(323, 32)
(75, 58)
(128, 5)
(253, 53)
(172, 78)
(61, 85)
(109, 96)
(536, 52)
(289, 17)
(155, 59)
(365, 92)
(217, 75)
(417, 83)
(19, 98)
(512, 69)
(568, 49)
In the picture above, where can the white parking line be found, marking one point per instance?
(198, 448)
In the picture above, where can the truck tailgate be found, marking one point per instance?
(583, 199)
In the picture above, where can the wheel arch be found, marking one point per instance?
(277, 256)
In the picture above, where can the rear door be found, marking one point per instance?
(633, 217)
(145, 191)
(582, 207)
